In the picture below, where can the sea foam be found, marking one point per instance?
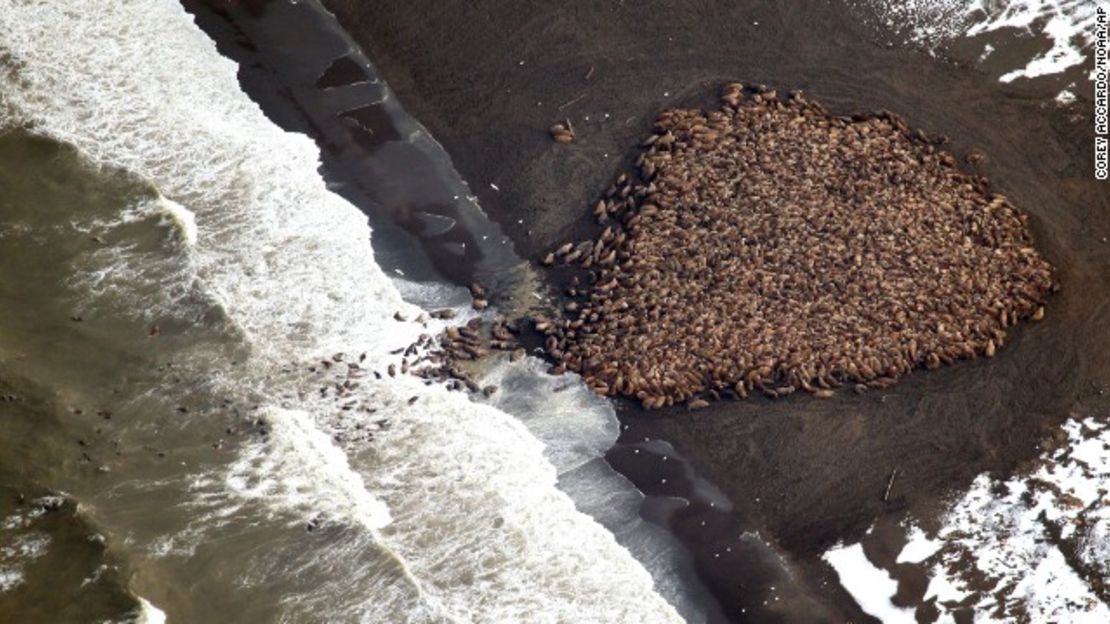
(459, 494)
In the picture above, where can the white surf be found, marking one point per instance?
(459, 494)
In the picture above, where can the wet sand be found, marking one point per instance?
(300, 68)
(489, 78)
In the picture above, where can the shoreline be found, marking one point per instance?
(489, 84)
(294, 97)
(220, 368)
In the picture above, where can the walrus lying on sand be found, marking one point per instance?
(770, 246)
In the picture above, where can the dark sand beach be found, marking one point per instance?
(489, 78)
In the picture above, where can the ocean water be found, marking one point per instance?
(183, 299)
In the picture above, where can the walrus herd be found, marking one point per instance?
(771, 247)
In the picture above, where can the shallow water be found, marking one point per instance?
(192, 321)
(55, 370)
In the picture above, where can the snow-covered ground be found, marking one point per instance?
(1031, 548)
(933, 24)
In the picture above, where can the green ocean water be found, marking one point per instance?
(57, 370)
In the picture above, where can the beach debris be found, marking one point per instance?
(889, 484)
(571, 101)
(770, 247)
